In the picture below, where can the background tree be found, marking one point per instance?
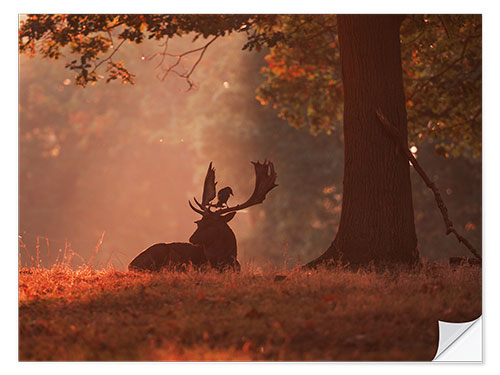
(79, 32)
(441, 59)
(133, 181)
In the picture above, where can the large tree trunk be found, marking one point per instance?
(376, 223)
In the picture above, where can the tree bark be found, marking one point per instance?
(377, 223)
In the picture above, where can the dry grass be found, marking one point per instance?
(320, 315)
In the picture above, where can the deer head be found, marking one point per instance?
(213, 232)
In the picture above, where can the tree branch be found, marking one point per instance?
(171, 68)
(109, 57)
(403, 148)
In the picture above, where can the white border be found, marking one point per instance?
(8, 149)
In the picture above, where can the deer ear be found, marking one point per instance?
(227, 218)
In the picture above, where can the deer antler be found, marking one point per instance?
(208, 192)
(265, 178)
(209, 186)
(195, 209)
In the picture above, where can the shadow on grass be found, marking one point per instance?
(313, 316)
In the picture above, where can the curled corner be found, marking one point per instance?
(460, 342)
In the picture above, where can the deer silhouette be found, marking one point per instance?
(213, 244)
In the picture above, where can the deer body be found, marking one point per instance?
(218, 241)
(163, 255)
(213, 244)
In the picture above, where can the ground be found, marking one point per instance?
(321, 315)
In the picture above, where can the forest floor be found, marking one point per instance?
(322, 315)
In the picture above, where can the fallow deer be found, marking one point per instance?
(213, 244)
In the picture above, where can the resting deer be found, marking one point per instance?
(213, 243)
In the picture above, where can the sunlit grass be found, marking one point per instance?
(319, 315)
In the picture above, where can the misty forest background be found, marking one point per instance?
(124, 160)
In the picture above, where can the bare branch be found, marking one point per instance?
(197, 62)
(179, 57)
(163, 54)
(109, 57)
(403, 148)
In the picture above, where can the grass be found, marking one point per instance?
(322, 315)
